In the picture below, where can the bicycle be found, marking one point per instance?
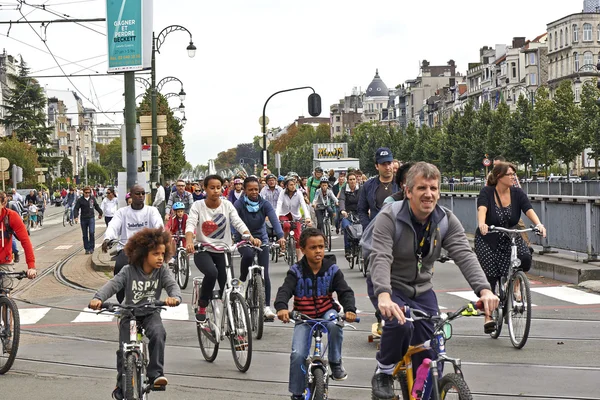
(327, 227)
(290, 244)
(134, 381)
(317, 367)
(68, 216)
(354, 233)
(181, 268)
(516, 312)
(255, 293)
(225, 316)
(10, 325)
(436, 386)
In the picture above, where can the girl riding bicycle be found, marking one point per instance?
(176, 225)
(212, 219)
(143, 280)
(290, 207)
(500, 203)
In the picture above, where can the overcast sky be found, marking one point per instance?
(248, 49)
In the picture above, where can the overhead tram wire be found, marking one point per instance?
(69, 63)
(63, 16)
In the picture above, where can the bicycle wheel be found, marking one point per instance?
(352, 257)
(132, 382)
(10, 332)
(241, 340)
(255, 296)
(183, 270)
(327, 228)
(209, 343)
(453, 386)
(291, 251)
(65, 218)
(319, 391)
(361, 262)
(498, 313)
(519, 312)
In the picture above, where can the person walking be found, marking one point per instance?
(159, 199)
(86, 204)
(109, 205)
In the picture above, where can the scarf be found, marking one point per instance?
(251, 206)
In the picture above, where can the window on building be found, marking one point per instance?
(337, 129)
(532, 59)
(577, 94)
(337, 118)
(561, 67)
(555, 40)
(514, 69)
(561, 38)
(533, 79)
(575, 61)
(587, 32)
(566, 36)
(588, 58)
(550, 43)
(575, 33)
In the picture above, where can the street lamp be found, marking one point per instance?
(157, 42)
(314, 109)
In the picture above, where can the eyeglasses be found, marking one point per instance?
(180, 185)
(197, 191)
(511, 174)
(139, 193)
(86, 192)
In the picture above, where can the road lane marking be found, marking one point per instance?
(569, 295)
(39, 248)
(89, 315)
(179, 313)
(30, 316)
(63, 247)
(471, 296)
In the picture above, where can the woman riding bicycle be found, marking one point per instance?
(253, 210)
(324, 200)
(500, 204)
(290, 207)
(348, 205)
(212, 219)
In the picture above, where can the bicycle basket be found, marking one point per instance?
(354, 232)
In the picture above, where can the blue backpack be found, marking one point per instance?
(367, 236)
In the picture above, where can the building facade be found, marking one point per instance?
(347, 114)
(8, 66)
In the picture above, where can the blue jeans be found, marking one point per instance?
(263, 260)
(301, 346)
(344, 224)
(15, 250)
(88, 227)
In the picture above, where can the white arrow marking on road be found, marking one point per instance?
(39, 248)
(179, 313)
(471, 296)
(90, 315)
(569, 295)
(29, 316)
(63, 247)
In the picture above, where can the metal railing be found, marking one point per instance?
(585, 188)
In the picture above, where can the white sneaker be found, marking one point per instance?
(268, 313)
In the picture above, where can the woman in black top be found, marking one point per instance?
(348, 205)
(500, 204)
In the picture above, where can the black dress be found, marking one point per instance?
(496, 261)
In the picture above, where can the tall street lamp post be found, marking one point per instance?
(314, 109)
(157, 42)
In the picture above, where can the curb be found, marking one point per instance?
(102, 262)
(592, 285)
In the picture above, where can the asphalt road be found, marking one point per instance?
(65, 353)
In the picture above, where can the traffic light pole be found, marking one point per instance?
(130, 117)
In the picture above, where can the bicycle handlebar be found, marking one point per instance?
(17, 275)
(499, 229)
(470, 309)
(298, 316)
(226, 247)
(113, 307)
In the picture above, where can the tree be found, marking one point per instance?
(542, 130)
(226, 159)
(66, 166)
(97, 173)
(589, 126)
(26, 109)
(566, 142)
(498, 132)
(112, 160)
(23, 155)
(519, 129)
(461, 139)
(410, 139)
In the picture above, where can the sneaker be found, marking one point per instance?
(382, 386)
(337, 231)
(117, 394)
(201, 314)
(348, 256)
(16, 258)
(160, 381)
(297, 397)
(268, 313)
(338, 373)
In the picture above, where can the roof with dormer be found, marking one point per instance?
(377, 87)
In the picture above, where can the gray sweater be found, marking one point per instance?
(139, 287)
(394, 265)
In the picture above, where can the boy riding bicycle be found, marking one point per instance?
(312, 272)
(176, 226)
(143, 280)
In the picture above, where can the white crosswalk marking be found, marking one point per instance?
(89, 315)
(179, 313)
(63, 247)
(30, 316)
(471, 296)
(569, 295)
(39, 248)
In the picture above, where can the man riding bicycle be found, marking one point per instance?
(324, 200)
(254, 210)
(408, 237)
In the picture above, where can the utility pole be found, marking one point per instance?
(130, 116)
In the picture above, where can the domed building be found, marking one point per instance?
(376, 99)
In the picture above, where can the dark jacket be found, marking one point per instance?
(366, 201)
(231, 196)
(313, 293)
(518, 200)
(255, 221)
(349, 199)
(87, 207)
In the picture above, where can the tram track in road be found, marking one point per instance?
(361, 388)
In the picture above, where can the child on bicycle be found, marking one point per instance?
(176, 226)
(143, 280)
(33, 214)
(312, 282)
(324, 200)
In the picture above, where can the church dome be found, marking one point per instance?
(377, 87)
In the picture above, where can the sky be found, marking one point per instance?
(249, 49)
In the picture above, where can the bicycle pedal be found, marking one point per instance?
(269, 319)
(159, 388)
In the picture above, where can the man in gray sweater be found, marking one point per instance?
(401, 270)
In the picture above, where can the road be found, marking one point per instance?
(66, 352)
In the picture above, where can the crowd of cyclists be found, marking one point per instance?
(403, 199)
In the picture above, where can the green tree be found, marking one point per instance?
(23, 155)
(589, 126)
(97, 173)
(461, 139)
(498, 132)
(66, 166)
(113, 158)
(410, 138)
(567, 142)
(477, 136)
(25, 108)
(519, 130)
(542, 130)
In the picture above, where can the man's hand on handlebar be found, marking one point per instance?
(284, 316)
(105, 245)
(490, 301)
(483, 228)
(281, 243)
(389, 309)
(350, 317)
(95, 304)
(172, 301)
(31, 273)
(255, 241)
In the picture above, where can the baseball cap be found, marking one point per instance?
(383, 154)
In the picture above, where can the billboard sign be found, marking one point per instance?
(129, 34)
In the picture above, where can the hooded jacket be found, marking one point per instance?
(12, 224)
(255, 221)
(313, 293)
